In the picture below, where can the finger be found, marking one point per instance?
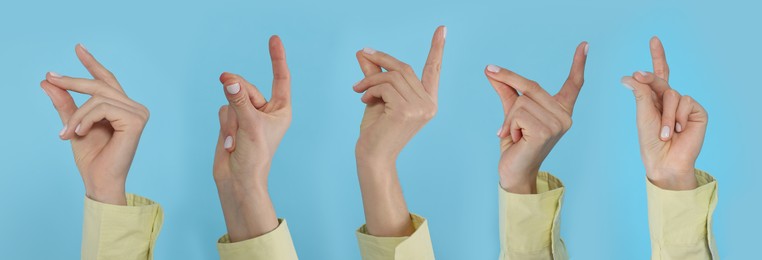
(524, 86)
(250, 91)
(567, 96)
(430, 75)
(76, 129)
(96, 69)
(390, 63)
(669, 109)
(240, 102)
(281, 75)
(527, 105)
(83, 86)
(647, 114)
(658, 85)
(659, 59)
(231, 130)
(684, 109)
(119, 118)
(394, 78)
(62, 100)
(368, 68)
(506, 93)
(522, 125)
(384, 92)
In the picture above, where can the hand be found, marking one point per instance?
(534, 121)
(671, 127)
(251, 129)
(398, 106)
(104, 131)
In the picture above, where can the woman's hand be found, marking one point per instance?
(398, 103)
(104, 131)
(398, 106)
(251, 129)
(671, 127)
(534, 121)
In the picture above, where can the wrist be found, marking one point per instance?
(519, 182)
(110, 194)
(673, 179)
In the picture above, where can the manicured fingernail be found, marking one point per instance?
(587, 47)
(664, 132)
(493, 68)
(368, 50)
(678, 127)
(627, 86)
(233, 89)
(444, 32)
(63, 130)
(228, 142)
(642, 73)
(76, 130)
(53, 74)
(499, 131)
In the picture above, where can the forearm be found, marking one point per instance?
(248, 211)
(386, 212)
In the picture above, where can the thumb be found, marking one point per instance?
(648, 116)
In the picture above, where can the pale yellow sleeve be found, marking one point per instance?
(276, 244)
(529, 223)
(681, 221)
(121, 232)
(416, 246)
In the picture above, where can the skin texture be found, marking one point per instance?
(398, 106)
(104, 131)
(534, 121)
(251, 129)
(671, 127)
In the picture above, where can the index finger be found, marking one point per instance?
(430, 76)
(96, 69)
(659, 59)
(368, 68)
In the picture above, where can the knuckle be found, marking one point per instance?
(407, 68)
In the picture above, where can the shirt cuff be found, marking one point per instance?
(276, 244)
(416, 246)
(681, 221)
(530, 223)
(121, 232)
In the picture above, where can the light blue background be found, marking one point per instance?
(168, 56)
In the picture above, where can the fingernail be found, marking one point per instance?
(642, 73)
(53, 74)
(664, 132)
(46, 91)
(627, 86)
(233, 89)
(678, 127)
(83, 47)
(444, 32)
(228, 142)
(63, 131)
(493, 68)
(368, 50)
(76, 130)
(499, 131)
(356, 83)
(587, 47)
